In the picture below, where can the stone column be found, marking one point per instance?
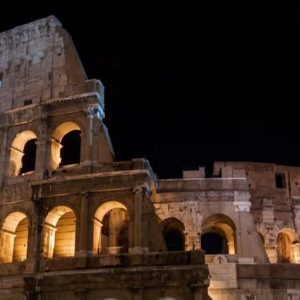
(48, 240)
(41, 160)
(242, 206)
(87, 145)
(138, 225)
(97, 230)
(34, 239)
(83, 226)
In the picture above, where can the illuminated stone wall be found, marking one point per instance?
(100, 229)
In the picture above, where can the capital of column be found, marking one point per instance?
(143, 189)
(91, 110)
(50, 226)
(84, 195)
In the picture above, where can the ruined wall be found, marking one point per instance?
(38, 62)
(95, 228)
(274, 205)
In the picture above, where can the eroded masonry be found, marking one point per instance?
(75, 224)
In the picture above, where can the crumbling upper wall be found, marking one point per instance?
(38, 62)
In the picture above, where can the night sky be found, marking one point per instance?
(186, 86)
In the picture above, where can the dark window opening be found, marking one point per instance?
(1, 80)
(28, 159)
(213, 243)
(27, 102)
(70, 152)
(174, 239)
(280, 181)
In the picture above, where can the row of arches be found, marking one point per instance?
(110, 232)
(217, 235)
(65, 149)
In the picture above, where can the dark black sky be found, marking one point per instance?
(189, 85)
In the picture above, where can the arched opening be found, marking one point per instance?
(59, 232)
(22, 153)
(70, 151)
(28, 160)
(218, 235)
(111, 228)
(174, 235)
(287, 246)
(214, 243)
(65, 146)
(14, 238)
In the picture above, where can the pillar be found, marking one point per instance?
(48, 240)
(97, 247)
(41, 159)
(139, 193)
(83, 226)
(87, 145)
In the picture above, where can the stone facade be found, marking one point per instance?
(88, 227)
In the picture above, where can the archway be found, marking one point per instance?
(287, 246)
(214, 243)
(174, 234)
(22, 153)
(66, 144)
(111, 228)
(59, 232)
(218, 235)
(28, 160)
(14, 238)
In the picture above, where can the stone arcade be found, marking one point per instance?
(86, 227)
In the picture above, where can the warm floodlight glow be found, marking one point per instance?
(287, 246)
(14, 238)
(16, 151)
(110, 228)
(59, 232)
(222, 225)
(56, 146)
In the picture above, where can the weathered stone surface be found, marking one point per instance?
(94, 228)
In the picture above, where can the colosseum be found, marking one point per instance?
(76, 224)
